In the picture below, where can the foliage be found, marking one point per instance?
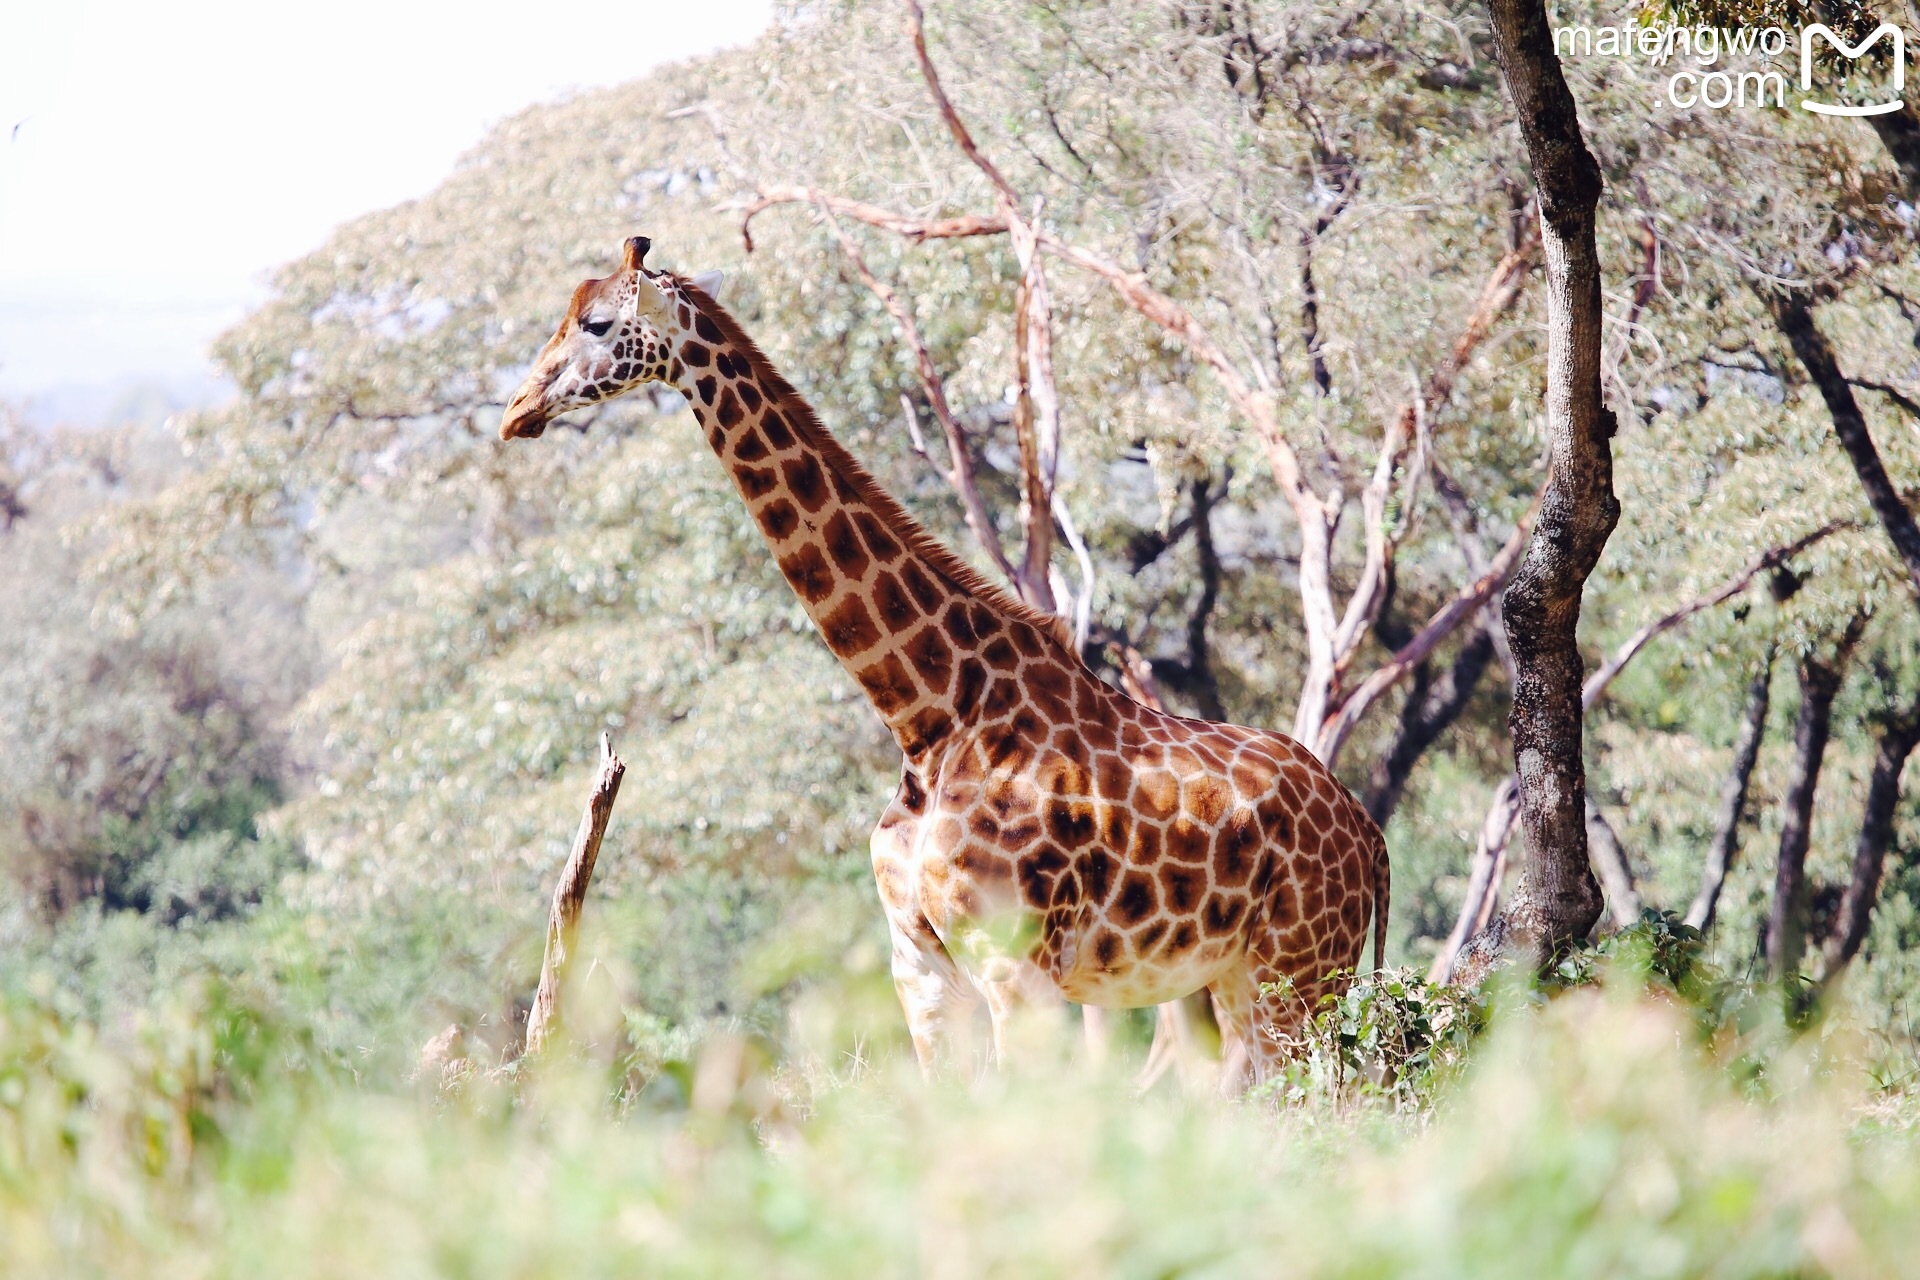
(140, 759)
(1390, 1037)
(1587, 1137)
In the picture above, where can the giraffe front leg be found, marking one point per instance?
(940, 1004)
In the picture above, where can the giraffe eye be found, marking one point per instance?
(598, 328)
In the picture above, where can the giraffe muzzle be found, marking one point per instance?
(526, 418)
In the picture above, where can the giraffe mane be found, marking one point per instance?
(807, 426)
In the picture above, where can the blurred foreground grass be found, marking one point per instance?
(1601, 1133)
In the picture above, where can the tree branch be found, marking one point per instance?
(1409, 427)
(1464, 604)
(1733, 796)
(914, 229)
(1036, 417)
(569, 894)
(1597, 683)
(1430, 709)
(1793, 316)
(960, 470)
(1899, 736)
(1610, 861)
(1202, 685)
(1481, 901)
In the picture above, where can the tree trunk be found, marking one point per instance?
(1793, 315)
(1898, 738)
(1202, 685)
(1557, 899)
(1733, 796)
(1820, 680)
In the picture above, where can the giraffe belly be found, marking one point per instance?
(1149, 983)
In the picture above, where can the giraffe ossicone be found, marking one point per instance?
(1051, 839)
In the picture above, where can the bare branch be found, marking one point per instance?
(1482, 898)
(917, 441)
(1432, 705)
(1899, 736)
(960, 471)
(1473, 548)
(914, 229)
(1136, 674)
(1597, 682)
(1405, 428)
(1465, 603)
(1205, 687)
(1314, 515)
(917, 28)
(1793, 316)
(1891, 392)
(1089, 577)
(1820, 679)
(570, 894)
(1610, 861)
(1036, 417)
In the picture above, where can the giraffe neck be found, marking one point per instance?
(934, 645)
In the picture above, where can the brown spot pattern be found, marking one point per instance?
(1151, 855)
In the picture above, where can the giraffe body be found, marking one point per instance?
(1050, 838)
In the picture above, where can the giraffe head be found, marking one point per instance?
(617, 336)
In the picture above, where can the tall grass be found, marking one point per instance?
(1611, 1131)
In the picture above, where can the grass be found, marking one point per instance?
(1610, 1131)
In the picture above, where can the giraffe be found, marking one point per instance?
(1050, 839)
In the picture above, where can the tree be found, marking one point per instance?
(1558, 899)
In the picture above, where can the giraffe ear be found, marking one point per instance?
(635, 256)
(709, 282)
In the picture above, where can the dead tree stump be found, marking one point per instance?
(563, 918)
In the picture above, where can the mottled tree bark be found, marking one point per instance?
(1557, 899)
(1820, 679)
(1793, 315)
(1733, 796)
(1899, 735)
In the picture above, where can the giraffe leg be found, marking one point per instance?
(1185, 1041)
(939, 1002)
(1288, 988)
(1233, 997)
(1016, 989)
(1096, 1026)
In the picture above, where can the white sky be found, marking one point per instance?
(158, 158)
